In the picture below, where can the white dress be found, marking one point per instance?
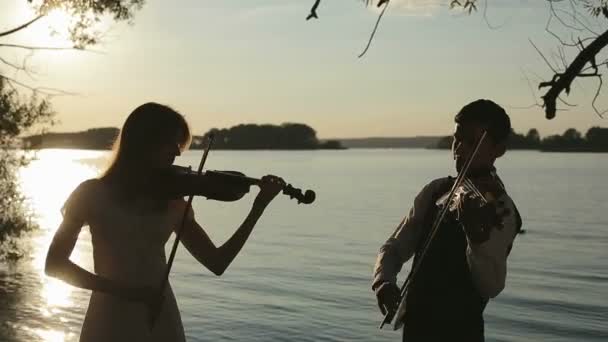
(128, 248)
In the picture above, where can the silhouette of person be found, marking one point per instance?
(465, 264)
(129, 229)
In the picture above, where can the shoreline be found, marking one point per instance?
(543, 150)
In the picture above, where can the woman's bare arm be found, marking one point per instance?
(59, 265)
(217, 259)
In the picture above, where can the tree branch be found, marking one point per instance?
(11, 64)
(18, 28)
(37, 90)
(597, 94)
(20, 68)
(27, 47)
(543, 56)
(313, 10)
(369, 42)
(531, 88)
(561, 82)
(485, 17)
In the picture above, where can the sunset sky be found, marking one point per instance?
(222, 63)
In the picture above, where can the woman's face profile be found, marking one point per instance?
(165, 154)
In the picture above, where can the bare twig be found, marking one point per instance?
(531, 88)
(566, 103)
(485, 17)
(21, 68)
(595, 67)
(369, 42)
(585, 26)
(39, 90)
(12, 65)
(313, 10)
(543, 56)
(20, 27)
(315, 6)
(562, 56)
(554, 11)
(597, 94)
(28, 47)
(548, 29)
(534, 105)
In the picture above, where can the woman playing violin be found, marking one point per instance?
(464, 264)
(129, 228)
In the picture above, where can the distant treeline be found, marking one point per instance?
(92, 139)
(595, 140)
(391, 142)
(288, 136)
(294, 136)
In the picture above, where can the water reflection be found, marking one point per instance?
(50, 335)
(48, 180)
(38, 308)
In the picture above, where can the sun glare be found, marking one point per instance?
(53, 30)
(59, 22)
(50, 335)
(47, 182)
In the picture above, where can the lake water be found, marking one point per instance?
(305, 273)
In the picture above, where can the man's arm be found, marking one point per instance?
(488, 260)
(401, 245)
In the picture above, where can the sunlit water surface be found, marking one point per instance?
(305, 273)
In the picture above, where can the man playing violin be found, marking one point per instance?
(464, 265)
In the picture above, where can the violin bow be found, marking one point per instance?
(155, 309)
(459, 179)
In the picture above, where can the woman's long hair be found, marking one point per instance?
(147, 128)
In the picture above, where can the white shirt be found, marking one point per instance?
(487, 261)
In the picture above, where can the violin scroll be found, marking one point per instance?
(307, 198)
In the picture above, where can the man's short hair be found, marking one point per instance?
(488, 114)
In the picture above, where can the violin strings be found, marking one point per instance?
(475, 190)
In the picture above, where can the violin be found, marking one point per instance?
(479, 191)
(178, 181)
(226, 186)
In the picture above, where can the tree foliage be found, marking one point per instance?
(18, 115)
(86, 14)
(83, 29)
(595, 140)
(288, 136)
(24, 108)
